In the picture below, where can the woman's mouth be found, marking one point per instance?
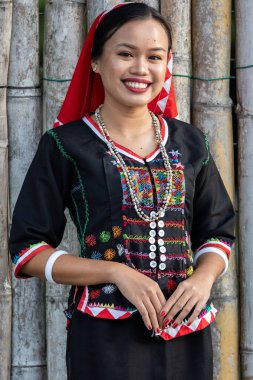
(136, 86)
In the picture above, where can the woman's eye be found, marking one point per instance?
(155, 57)
(125, 54)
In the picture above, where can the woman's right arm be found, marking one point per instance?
(70, 269)
(144, 293)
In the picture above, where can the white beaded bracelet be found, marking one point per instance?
(50, 263)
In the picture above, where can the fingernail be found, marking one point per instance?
(162, 313)
(158, 330)
(150, 327)
(166, 321)
(175, 325)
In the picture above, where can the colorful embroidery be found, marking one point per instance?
(219, 240)
(109, 289)
(117, 231)
(105, 236)
(110, 254)
(189, 271)
(205, 162)
(110, 306)
(143, 184)
(95, 293)
(26, 254)
(86, 208)
(143, 239)
(90, 240)
(171, 286)
(96, 255)
(21, 253)
(120, 249)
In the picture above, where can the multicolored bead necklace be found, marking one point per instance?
(154, 215)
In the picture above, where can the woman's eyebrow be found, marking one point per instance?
(158, 48)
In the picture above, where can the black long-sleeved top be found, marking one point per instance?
(73, 169)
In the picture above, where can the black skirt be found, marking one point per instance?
(104, 349)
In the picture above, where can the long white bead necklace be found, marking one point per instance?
(154, 215)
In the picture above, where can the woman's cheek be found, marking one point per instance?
(159, 76)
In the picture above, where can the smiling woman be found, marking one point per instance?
(153, 218)
(133, 65)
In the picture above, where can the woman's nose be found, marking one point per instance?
(140, 66)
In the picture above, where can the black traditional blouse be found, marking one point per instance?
(73, 169)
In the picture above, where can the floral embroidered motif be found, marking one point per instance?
(110, 254)
(189, 271)
(90, 240)
(96, 255)
(171, 285)
(120, 249)
(109, 289)
(105, 236)
(117, 231)
(175, 154)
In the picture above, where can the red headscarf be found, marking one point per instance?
(86, 91)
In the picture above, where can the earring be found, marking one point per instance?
(94, 68)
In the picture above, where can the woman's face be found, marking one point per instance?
(133, 63)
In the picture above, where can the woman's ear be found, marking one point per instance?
(94, 65)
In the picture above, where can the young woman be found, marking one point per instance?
(154, 221)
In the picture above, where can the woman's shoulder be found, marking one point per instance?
(72, 129)
(71, 134)
(189, 139)
(184, 128)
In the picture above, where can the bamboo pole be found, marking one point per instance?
(179, 17)
(94, 7)
(24, 115)
(244, 57)
(5, 281)
(64, 35)
(152, 3)
(211, 23)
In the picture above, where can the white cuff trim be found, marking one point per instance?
(214, 250)
(50, 263)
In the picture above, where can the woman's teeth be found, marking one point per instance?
(136, 84)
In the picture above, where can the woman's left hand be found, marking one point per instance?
(191, 293)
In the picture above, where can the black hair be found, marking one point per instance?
(116, 18)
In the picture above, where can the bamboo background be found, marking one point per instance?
(32, 329)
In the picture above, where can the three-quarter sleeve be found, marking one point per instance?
(38, 219)
(213, 214)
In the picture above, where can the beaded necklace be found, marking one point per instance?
(154, 215)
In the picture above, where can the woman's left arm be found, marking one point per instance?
(212, 235)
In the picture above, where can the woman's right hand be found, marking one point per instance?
(144, 293)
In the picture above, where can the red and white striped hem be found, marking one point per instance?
(217, 244)
(184, 329)
(99, 311)
(27, 254)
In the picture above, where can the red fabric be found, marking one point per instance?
(86, 91)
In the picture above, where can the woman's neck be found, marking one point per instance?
(126, 121)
